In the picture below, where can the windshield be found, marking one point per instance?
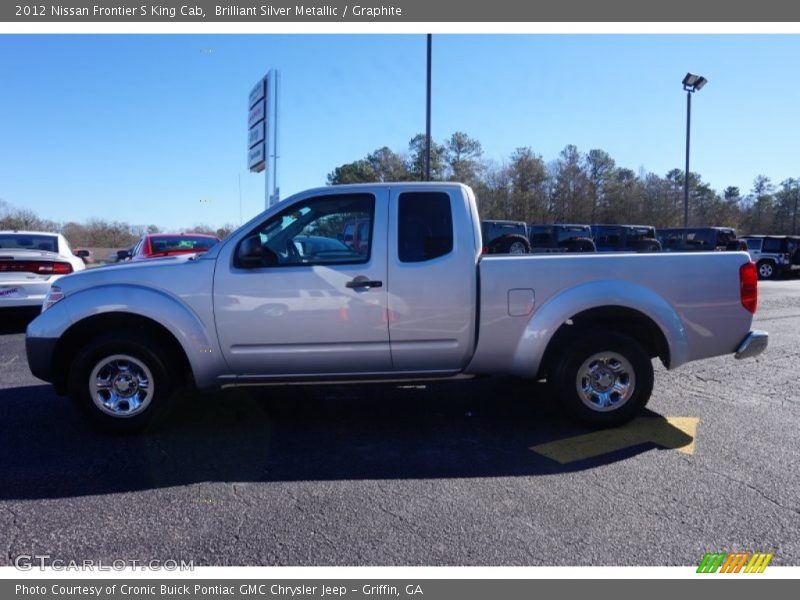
(570, 233)
(641, 233)
(181, 243)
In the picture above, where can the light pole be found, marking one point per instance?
(428, 112)
(691, 84)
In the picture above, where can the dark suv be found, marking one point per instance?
(505, 237)
(699, 239)
(561, 238)
(625, 238)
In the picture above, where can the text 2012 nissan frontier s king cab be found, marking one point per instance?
(288, 297)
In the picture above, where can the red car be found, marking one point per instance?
(154, 245)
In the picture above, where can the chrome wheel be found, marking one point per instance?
(517, 248)
(121, 385)
(605, 381)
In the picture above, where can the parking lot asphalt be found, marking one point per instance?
(435, 474)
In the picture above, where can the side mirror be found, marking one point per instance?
(252, 254)
(123, 254)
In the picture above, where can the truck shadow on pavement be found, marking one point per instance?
(16, 320)
(479, 428)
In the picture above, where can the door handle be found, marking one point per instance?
(363, 283)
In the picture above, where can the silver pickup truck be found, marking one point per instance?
(386, 281)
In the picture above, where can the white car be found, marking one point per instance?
(29, 262)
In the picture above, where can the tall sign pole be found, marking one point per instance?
(262, 137)
(272, 189)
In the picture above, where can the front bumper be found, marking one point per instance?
(40, 356)
(753, 344)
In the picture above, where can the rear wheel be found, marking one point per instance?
(512, 244)
(648, 246)
(604, 378)
(767, 270)
(121, 382)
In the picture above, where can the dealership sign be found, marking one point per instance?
(257, 125)
(256, 158)
(256, 134)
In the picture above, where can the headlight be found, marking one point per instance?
(54, 294)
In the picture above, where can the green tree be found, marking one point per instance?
(599, 168)
(462, 155)
(760, 206)
(570, 198)
(529, 183)
(360, 171)
(388, 165)
(786, 201)
(416, 159)
(622, 197)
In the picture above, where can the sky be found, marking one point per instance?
(153, 128)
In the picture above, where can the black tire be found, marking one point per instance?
(511, 244)
(648, 245)
(767, 269)
(796, 257)
(580, 245)
(138, 361)
(618, 359)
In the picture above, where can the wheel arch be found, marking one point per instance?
(626, 307)
(103, 323)
(619, 319)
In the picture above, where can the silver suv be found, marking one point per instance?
(774, 254)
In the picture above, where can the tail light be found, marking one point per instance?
(36, 266)
(748, 286)
(62, 268)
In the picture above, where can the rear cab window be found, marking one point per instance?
(424, 227)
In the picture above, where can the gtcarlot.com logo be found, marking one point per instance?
(736, 562)
(27, 562)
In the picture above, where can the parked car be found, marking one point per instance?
(698, 239)
(505, 237)
(561, 238)
(29, 262)
(316, 247)
(119, 255)
(625, 238)
(153, 245)
(773, 254)
(355, 234)
(418, 304)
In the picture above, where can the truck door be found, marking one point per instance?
(432, 279)
(314, 303)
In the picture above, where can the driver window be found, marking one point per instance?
(319, 231)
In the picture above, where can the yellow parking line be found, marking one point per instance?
(677, 433)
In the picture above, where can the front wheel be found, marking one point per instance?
(121, 382)
(604, 378)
